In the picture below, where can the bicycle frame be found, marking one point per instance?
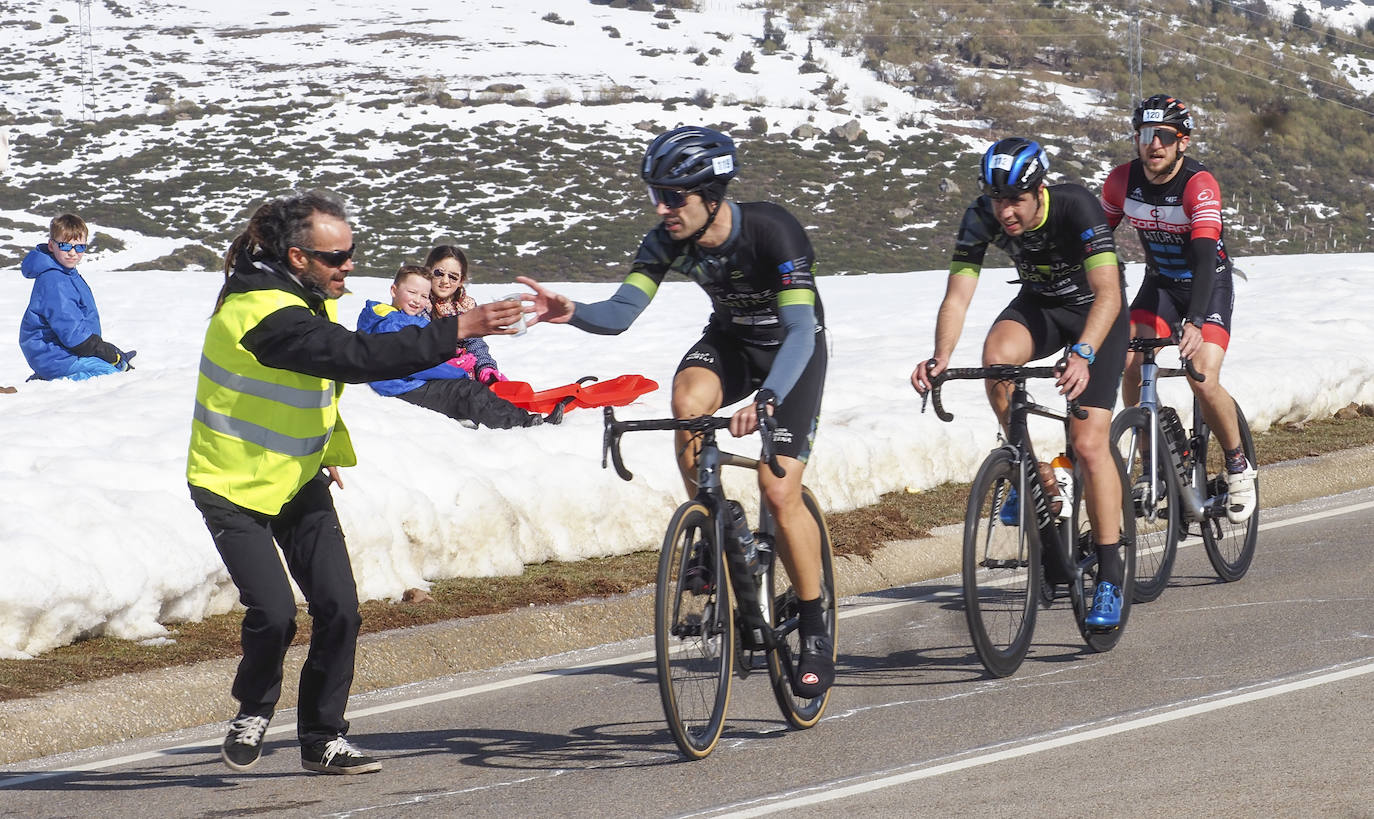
(1017, 443)
(753, 607)
(1192, 481)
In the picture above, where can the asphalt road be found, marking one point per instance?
(1223, 699)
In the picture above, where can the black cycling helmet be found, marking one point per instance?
(1162, 109)
(1013, 166)
(691, 158)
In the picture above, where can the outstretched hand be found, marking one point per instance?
(494, 318)
(548, 305)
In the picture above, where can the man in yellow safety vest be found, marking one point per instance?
(267, 441)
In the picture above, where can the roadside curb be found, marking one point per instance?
(150, 703)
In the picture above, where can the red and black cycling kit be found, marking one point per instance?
(1052, 260)
(766, 329)
(1187, 269)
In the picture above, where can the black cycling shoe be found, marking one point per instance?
(815, 667)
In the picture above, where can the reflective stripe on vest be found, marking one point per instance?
(259, 433)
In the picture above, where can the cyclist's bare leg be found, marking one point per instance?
(1008, 342)
(1218, 408)
(1130, 379)
(697, 391)
(1102, 482)
(799, 541)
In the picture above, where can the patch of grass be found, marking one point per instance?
(860, 532)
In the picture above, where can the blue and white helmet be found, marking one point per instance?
(690, 158)
(1013, 166)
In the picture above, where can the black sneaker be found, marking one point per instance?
(243, 746)
(556, 415)
(815, 666)
(337, 756)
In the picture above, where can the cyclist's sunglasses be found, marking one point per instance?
(1167, 136)
(69, 247)
(672, 197)
(332, 258)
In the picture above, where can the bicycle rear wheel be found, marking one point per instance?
(1230, 546)
(800, 712)
(1082, 592)
(694, 631)
(1153, 487)
(1001, 568)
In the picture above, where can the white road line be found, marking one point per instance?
(540, 676)
(821, 794)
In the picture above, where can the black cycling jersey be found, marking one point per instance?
(1052, 259)
(766, 263)
(760, 280)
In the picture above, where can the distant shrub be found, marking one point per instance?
(745, 63)
(758, 126)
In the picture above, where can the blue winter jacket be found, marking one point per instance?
(377, 317)
(61, 315)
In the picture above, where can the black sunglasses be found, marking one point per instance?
(333, 258)
(672, 197)
(68, 247)
(1167, 136)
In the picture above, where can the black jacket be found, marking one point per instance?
(305, 340)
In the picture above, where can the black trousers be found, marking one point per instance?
(466, 400)
(307, 533)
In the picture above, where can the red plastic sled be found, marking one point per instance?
(616, 392)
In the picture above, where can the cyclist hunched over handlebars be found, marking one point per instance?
(765, 338)
(1072, 296)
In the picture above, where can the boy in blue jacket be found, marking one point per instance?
(448, 388)
(60, 331)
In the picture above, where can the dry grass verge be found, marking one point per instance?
(897, 515)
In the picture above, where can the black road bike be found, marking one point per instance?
(717, 613)
(1016, 561)
(1177, 480)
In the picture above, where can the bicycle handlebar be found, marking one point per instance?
(995, 372)
(610, 439)
(1139, 345)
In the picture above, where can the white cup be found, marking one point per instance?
(516, 297)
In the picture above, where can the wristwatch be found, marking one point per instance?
(1084, 351)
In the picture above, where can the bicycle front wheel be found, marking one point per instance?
(1001, 568)
(1088, 574)
(1230, 546)
(694, 631)
(1153, 488)
(800, 712)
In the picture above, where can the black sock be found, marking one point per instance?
(1110, 566)
(811, 616)
(1235, 460)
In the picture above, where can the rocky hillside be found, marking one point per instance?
(514, 127)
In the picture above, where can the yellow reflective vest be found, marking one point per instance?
(258, 433)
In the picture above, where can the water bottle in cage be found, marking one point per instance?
(1063, 476)
(738, 528)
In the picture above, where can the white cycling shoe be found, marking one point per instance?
(1240, 495)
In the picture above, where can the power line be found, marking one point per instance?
(1315, 65)
(1303, 91)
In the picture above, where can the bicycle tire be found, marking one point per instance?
(1001, 568)
(1230, 546)
(694, 633)
(800, 712)
(1158, 523)
(1081, 594)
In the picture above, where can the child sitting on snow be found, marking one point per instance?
(448, 388)
(60, 331)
